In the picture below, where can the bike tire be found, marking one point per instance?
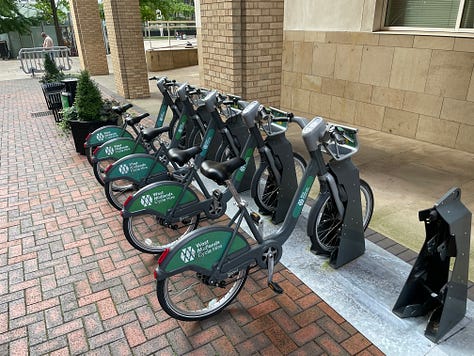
(147, 233)
(224, 152)
(264, 189)
(328, 221)
(118, 191)
(186, 296)
(89, 153)
(99, 168)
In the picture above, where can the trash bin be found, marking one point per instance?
(65, 99)
(71, 87)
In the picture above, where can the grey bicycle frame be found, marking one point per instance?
(228, 263)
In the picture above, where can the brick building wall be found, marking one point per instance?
(88, 35)
(241, 47)
(127, 48)
(420, 87)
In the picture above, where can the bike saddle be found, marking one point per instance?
(219, 172)
(181, 157)
(121, 109)
(135, 120)
(151, 132)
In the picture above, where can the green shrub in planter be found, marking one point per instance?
(88, 113)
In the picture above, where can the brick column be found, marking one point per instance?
(88, 35)
(242, 43)
(127, 50)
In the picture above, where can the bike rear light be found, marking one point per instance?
(87, 139)
(127, 201)
(95, 151)
(155, 274)
(108, 168)
(163, 255)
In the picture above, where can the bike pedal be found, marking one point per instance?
(274, 286)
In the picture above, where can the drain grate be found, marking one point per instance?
(41, 113)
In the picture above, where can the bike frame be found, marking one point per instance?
(109, 132)
(227, 258)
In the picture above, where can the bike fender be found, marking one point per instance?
(157, 198)
(104, 134)
(135, 167)
(201, 250)
(118, 148)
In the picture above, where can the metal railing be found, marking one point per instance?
(167, 27)
(32, 59)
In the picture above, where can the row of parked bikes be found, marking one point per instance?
(160, 177)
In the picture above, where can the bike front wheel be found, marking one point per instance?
(326, 230)
(189, 295)
(265, 189)
(118, 191)
(151, 234)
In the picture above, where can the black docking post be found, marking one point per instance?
(429, 287)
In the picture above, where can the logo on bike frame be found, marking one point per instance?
(109, 150)
(188, 254)
(123, 169)
(146, 200)
(303, 196)
(100, 136)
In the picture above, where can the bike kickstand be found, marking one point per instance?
(274, 286)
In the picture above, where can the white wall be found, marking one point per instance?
(330, 15)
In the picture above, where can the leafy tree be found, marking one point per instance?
(11, 19)
(170, 9)
(54, 11)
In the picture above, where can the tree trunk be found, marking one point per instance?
(59, 34)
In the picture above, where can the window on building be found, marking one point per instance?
(457, 15)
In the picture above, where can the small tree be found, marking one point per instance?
(51, 71)
(88, 100)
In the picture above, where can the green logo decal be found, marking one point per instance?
(303, 196)
(240, 173)
(105, 134)
(161, 115)
(161, 198)
(135, 167)
(119, 148)
(207, 142)
(180, 129)
(206, 250)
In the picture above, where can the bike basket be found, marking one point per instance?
(341, 151)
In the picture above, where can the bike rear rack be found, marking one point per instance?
(429, 287)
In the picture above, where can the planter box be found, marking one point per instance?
(80, 130)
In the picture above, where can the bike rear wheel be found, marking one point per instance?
(149, 233)
(90, 153)
(189, 296)
(328, 222)
(100, 167)
(118, 191)
(265, 190)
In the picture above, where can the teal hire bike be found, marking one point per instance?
(129, 127)
(120, 147)
(206, 269)
(159, 214)
(127, 175)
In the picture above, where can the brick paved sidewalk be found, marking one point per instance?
(71, 284)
